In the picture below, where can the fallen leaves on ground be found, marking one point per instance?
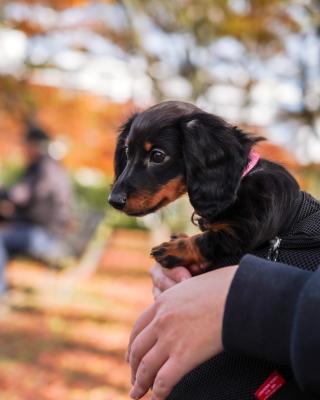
(67, 341)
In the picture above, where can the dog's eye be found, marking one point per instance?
(157, 156)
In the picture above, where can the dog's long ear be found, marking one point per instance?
(215, 155)
(120, 158)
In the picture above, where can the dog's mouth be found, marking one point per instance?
(142, 213)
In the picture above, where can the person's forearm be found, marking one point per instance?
(265, 315)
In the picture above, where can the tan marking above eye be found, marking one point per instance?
(147, 146)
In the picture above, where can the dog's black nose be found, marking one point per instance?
(117, 201)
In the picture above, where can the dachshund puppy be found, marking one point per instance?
(241, 201)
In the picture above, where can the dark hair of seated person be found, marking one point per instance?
(35, 134)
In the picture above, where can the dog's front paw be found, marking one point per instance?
(177, 252)
(179, 236)
(167, 254)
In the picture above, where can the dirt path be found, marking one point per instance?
(68, 343)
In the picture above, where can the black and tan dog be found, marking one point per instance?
(172, 148)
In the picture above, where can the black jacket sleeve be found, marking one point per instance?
(273, 312)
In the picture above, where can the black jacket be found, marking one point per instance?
(282, 318)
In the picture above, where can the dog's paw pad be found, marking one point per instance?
(158, 252)
(171, 261)
(179, 236)
(168, 254)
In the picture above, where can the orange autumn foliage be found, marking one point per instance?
(86, 123)
(61, 4)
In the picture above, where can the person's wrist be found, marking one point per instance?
(222, 279)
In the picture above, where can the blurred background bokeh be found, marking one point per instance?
(78, 69)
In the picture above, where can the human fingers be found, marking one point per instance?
(156, 292)
(140, 347)
(168, 376)
(160, 279)
(177, 274)
(197, 269)
(144, 319)
(147, 371)
(164, 278)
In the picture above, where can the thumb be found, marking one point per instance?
(178, 274)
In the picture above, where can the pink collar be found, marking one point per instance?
(254, 157)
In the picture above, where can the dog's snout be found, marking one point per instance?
(117, 201)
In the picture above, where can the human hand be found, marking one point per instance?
(164, 278)
(181, 330)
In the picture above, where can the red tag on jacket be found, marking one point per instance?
(270, 386)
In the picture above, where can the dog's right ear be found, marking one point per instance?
(215, 155)
(120, 157)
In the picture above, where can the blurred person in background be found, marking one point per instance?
(35, 213)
